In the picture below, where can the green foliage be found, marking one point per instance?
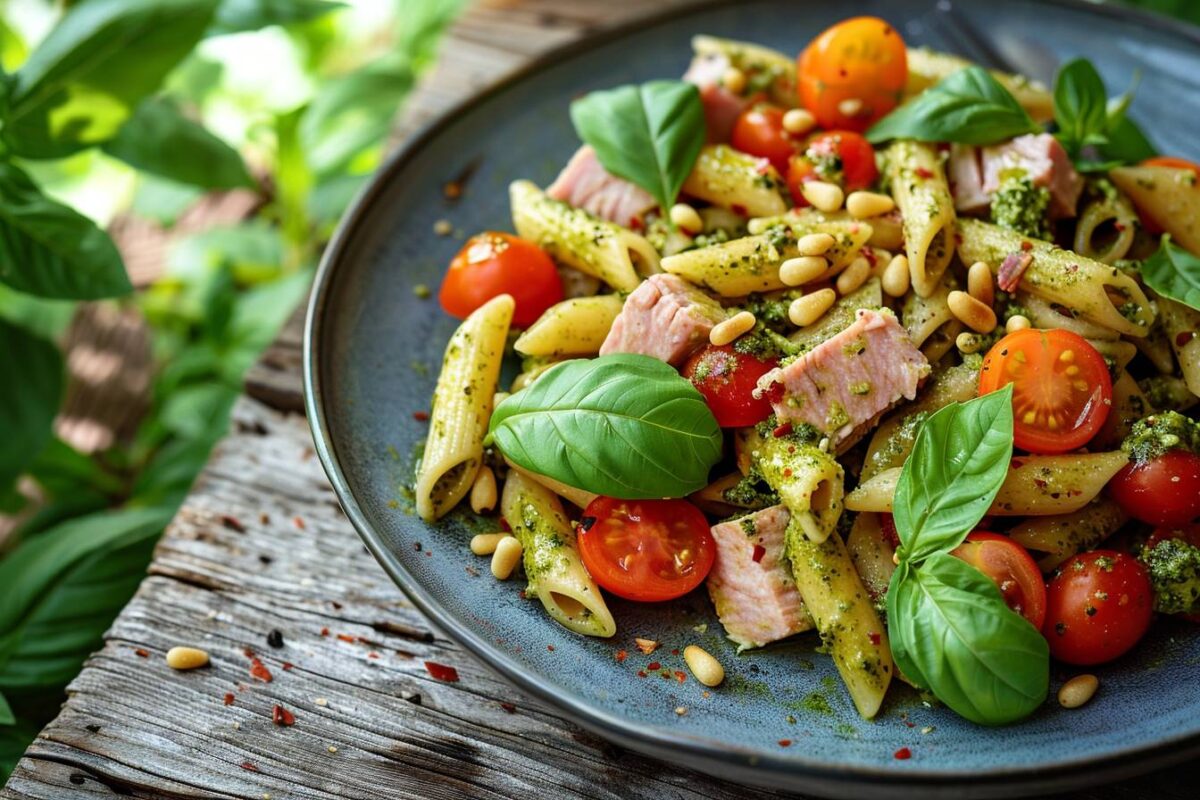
(236, 16)
(31, 372)
(1174, 272)
(1087, 121)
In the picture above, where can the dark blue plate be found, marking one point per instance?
(374, 347)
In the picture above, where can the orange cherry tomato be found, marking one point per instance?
(841, 157)
(491, 264)
(646, 550)
(759, 131)
(1011, 568)
(853, 73)
(1152, 225)
(1062, 391)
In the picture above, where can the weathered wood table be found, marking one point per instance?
(261, 569)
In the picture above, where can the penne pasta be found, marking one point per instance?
(922, 195)
(765, 69)
(577, 497)
(575, 327)
(840, 316)
(872, 556)
(1167, 195)
(1043, 314)
(732, 179)
(1054, 539)
(926, 67)
(929, 321)
(1106, 228)
(887, 230)
(1181, 325)
(809, 482)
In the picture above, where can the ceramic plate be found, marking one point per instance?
(374, 347)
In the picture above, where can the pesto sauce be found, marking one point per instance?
(1021, 206)
(1160, 433)
(1174, 567)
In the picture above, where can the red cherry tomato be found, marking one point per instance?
(1162, 491)
(841, 157)
(491, 264)
(1152, 226)
(759, 131)
(1011, 568)
(853, 73)
(1062, 391)
(726, 379)
(1098, 606)
(646, 550)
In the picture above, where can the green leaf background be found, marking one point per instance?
(1173, 272)
(31, 372)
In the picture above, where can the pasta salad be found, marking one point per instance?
(872, 343)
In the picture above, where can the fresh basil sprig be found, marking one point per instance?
(968, 106)
(626, 426)
(1173, 272)
(950, 629)
(1096, 134)
(649, 135)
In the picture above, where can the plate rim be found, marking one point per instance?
(713, 757)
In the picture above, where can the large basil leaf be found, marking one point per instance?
(6, 712)
(957, 466)
(50, 250)
(1080, 105)
(951, 632)
(84, 80)
(968, 106)
(31, 372)
(650, 134)
(1173, 272)
(158, 138)
(621, 425)
(236, 16)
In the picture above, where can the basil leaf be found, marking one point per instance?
(957, 466)
(951, 632)
(31, 370)
(50, 250)
(624, 425)
(1080, 105)
(6, 713)
(1173, 272)
(1127, 144)
(237, 16)
(158, 138)
(968, 106)
(650, 135)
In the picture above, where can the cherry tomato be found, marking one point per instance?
(1011, 568)
(853, 73)
(1152, 225)
(1062, 392)
(841, 157)
(726, 379)
(646, 550)
(1162, 491)
(491, 264)
(759, 132)
(1098, 606)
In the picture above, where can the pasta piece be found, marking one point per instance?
(1054, 539)
(1086, 288)
(1182, 326)
(578, 497)
(1167, 195)
(923, 197)
(809, 482)
(1117, 352)
(732, 179)
(926, 67)
(765, 69)
(531, 374)
(751, 264)
(1043, 314)
(1168, 392)
(556, 574)
(872, 555)
(462, 406)
(721, 499)
(1129, 404)
(1035, 485)
(577, 239)
(887, 230)
(840, 316)
(575, 327)
(1155, 346)
(923, 317)
(1106, 228)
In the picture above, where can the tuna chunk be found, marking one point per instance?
(965, 174)
(1044, 162)
(755, 597)
(849, 379)
(721, 106)
(665, 317)
(584, 183)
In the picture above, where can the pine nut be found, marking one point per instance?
(980, 284)
(186, 658)
(1078, 690)
(725, 332)
(685, 217)
(972, 313)
(483, 490)
(880, 259)
(802, 270)
(863, 205)
(824, 196)
(814, 244)
(810, 308)
(798, 121)
(484, 544)
(896, 276)
(499, 397)
(706, 668)
(968, 342)
(853, 276)
(850, 107)
(1017, 322)
(734, 80)
(506, 557)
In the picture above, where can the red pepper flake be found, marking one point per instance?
(521, 594)
(680, 676)
(550, 647)
(620, 656)
(504, 526)
(1015, 463)
(787, 472)
(345, 637)
(372, 654)
(909, 723)
(1026, 245)
(674, 651)
(509, 707)
(759, 552)
(246, 765)
(782, 430)
(287, 666)
(233, 523)
(653, 666)
(785, 742)
(324, 631)
(229, 698)
(1039, 483)
(738, 209)
(635, 223)
(299, 523)
(257, 668)
(1184, 337)
(442, 672)
(421, 416)
(875, 638)
(921, 172)
(142, 653)
(282, 717)
(641, 673)
(903, 754)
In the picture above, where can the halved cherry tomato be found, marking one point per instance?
(1062, 391)
(853, 73)
(841, 157)
(1162, 491)
(759, 131)
(726, 379)
(1011, 568)
(491, 264)
(647, 550)
(1152, 225)
(1098, 606)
